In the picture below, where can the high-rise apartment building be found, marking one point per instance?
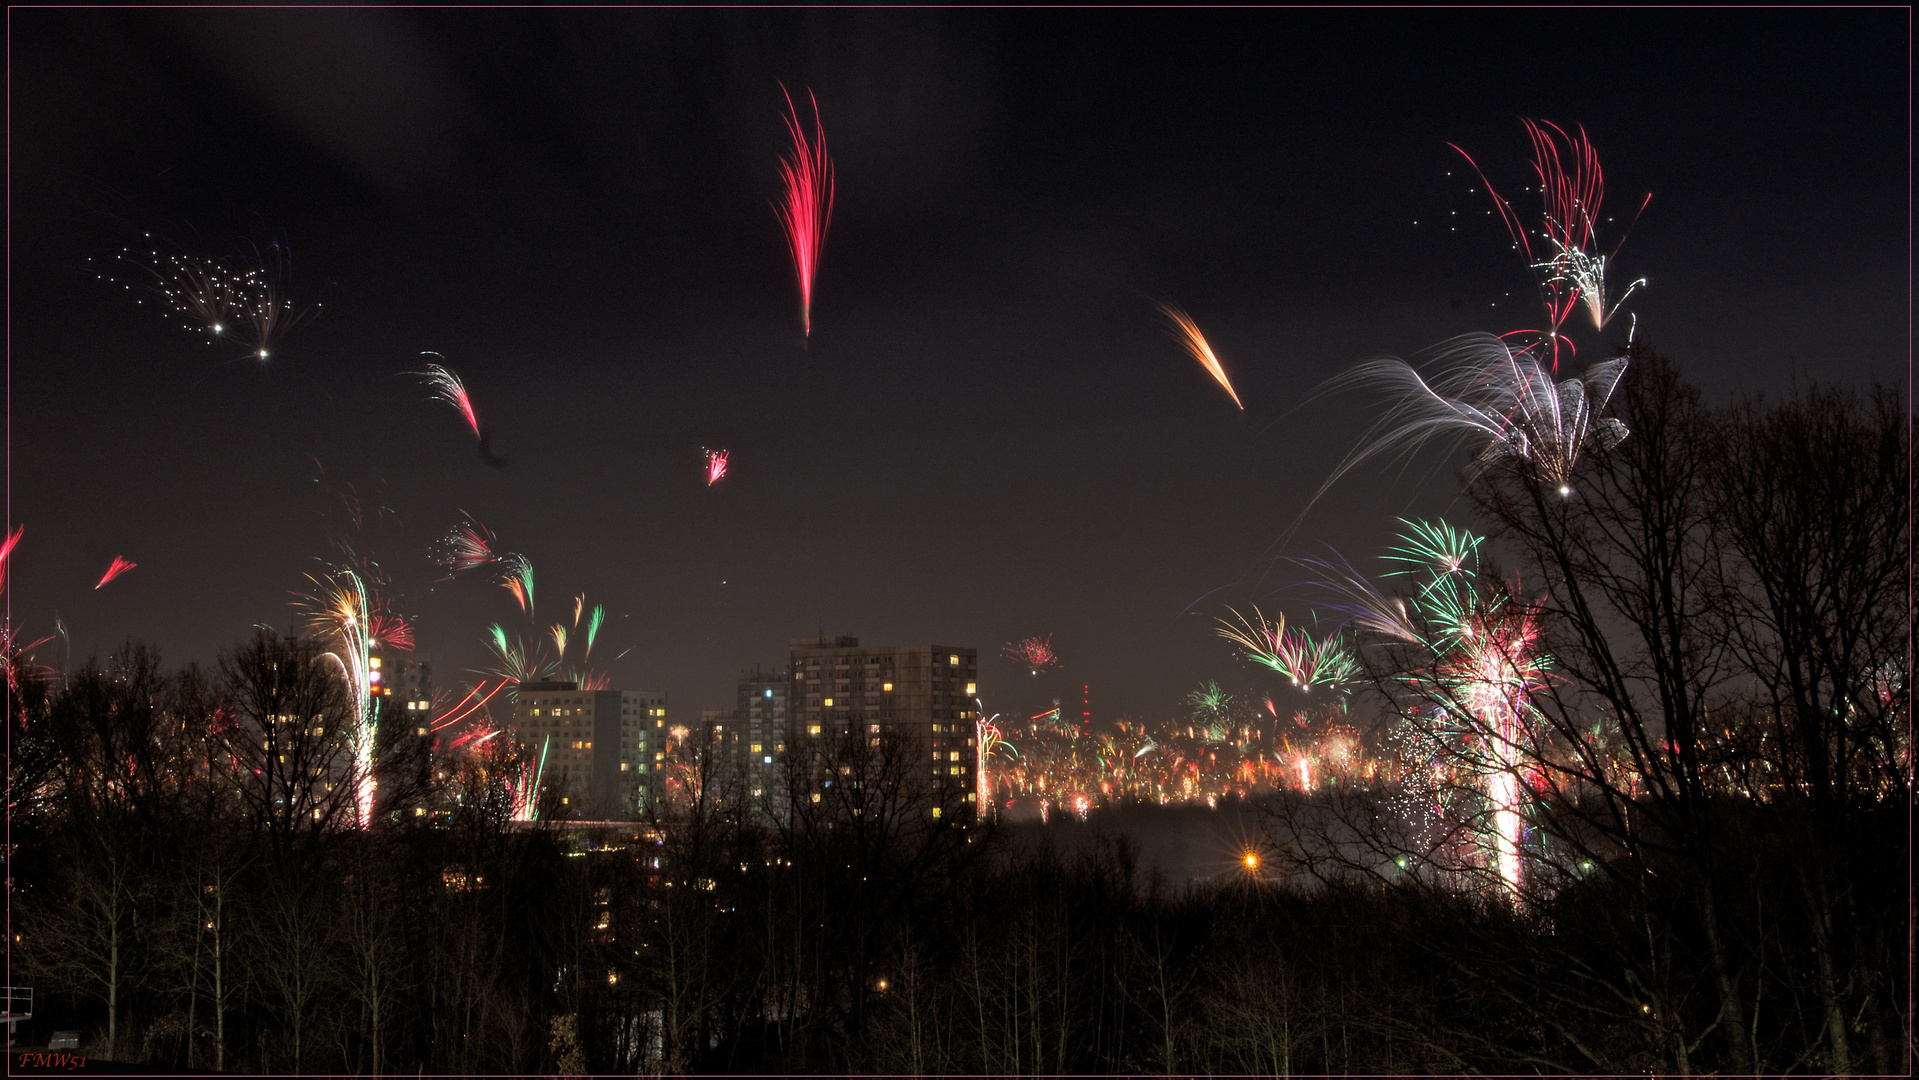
(603, 748)
(759, 721)
(921, 695)
(760, 727)
(406, 679)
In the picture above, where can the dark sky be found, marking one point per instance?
(990, 436)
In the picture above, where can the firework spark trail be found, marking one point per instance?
(807, 203)
(593, 623)
(1035, 653)
(1571, 275)
(1484, 390)
(340, 609)
(1186, 332)
(466, 546)
(448, 387)
(526, 789)
(1309, 662)
(516, 663)
(715, 466)
(116, 568)
(1258, 636)
(472, 702)
(517, 578)
(1306, 661)
(6, 551)
(986, 738)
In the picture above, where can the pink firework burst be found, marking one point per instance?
(715, 466)
(119, 566)
(1034, 652)
(466, 546)
(807, 204)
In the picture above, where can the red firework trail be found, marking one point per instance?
(1572, 186)
(715, 466)
(808, 202)
(119, 566)
(467, 706)
(450, 388)
(6, 549)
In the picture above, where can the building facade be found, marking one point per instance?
(921, 695)
(602, 749)
(760, 723)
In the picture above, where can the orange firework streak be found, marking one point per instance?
(1186, 332)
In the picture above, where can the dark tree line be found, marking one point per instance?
(1718, 863)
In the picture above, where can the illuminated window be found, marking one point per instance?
(419, 731)
(936, 811)
(971, 689)
(756, 748)
(816, 798)
(829, 703)
(769, 761)
(812, 729)
(872, 729)
(622, 766)
(769, 693)
(375, 662)
(888, 687)
(954, 659)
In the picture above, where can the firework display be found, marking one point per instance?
(1186, 332)
(249, 304)
(806, 204)
(1303, 659)
(466, 546)
(1223, 751)
(1469, 675)
(120, 565)
(1570, 272)
(1035, 654)
(347, 616)
(1501, 400)
(516, 577)
(1464, 650)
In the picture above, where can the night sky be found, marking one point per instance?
(990, 435)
